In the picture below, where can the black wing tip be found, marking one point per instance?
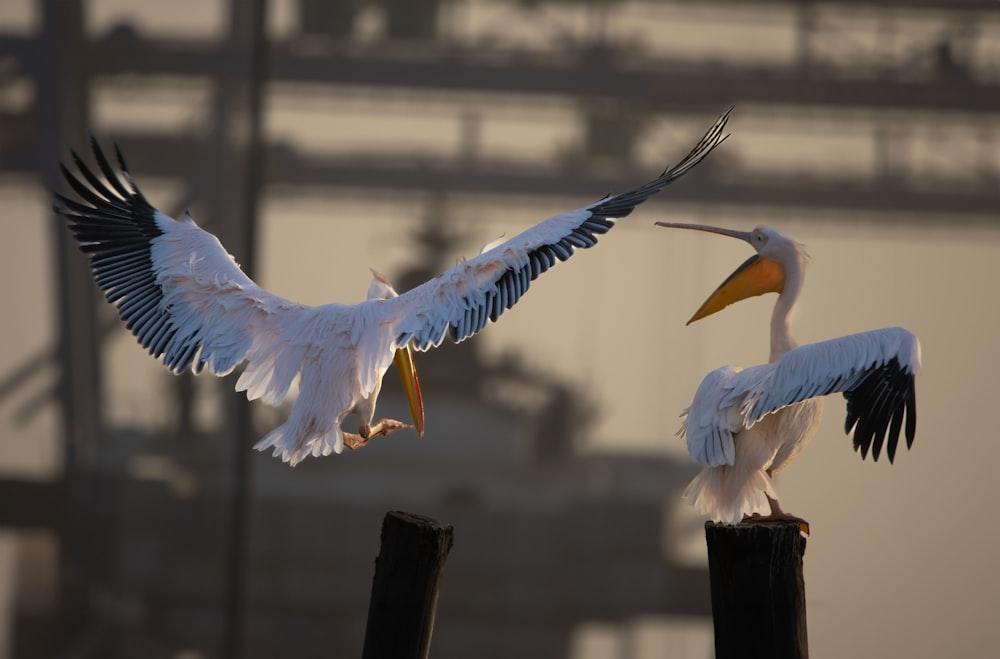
(720, 124)
(876, 409)
(78, 161)
(622, 205)
(98, 151)
(911, 411)
(95, 148)
(116, 181)
(64, 170)
(121, 160)
(709, 141)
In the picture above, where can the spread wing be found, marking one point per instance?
(175, 286)
(458, 303)
(874, 370)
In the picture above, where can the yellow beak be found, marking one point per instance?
(756, 276)
(411, 385)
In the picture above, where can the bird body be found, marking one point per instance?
(189, 304)
(745, 425)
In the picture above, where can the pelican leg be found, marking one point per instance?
(381, 427)
(776, 515)
(366, 432)
(779, 515)
(353, 441)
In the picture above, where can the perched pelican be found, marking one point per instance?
(188, 303)
(745, 425)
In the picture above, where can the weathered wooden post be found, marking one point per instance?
(758, 593)
(408, 574)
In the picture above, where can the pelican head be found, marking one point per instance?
(764, 272)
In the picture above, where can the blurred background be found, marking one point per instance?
(321, 138)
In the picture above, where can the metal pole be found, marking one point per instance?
(249, 20)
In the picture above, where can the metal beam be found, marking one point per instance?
(655, 82)
(171, 156)
(32, 504)
(983, 6)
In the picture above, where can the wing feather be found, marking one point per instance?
(874, 370)
(449, 304)
(709, 423)
(176, 288)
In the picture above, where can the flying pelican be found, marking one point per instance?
(745, 425)
(188, 303)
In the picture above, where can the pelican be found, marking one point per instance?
(745, 425)
(189, 304)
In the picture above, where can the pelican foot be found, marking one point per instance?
(354, 442)
(366, 432)
(381, 427)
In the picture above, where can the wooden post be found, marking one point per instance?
(408, 574)
(758, 593)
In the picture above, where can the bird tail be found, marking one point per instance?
(727, 493)
(294, 447)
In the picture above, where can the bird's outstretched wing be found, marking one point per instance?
(458, 303)
(175, 286)
(874, 370)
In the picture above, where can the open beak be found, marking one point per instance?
(756, 276)
(411, 385)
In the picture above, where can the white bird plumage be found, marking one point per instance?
(189, 304)
(745, 425)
